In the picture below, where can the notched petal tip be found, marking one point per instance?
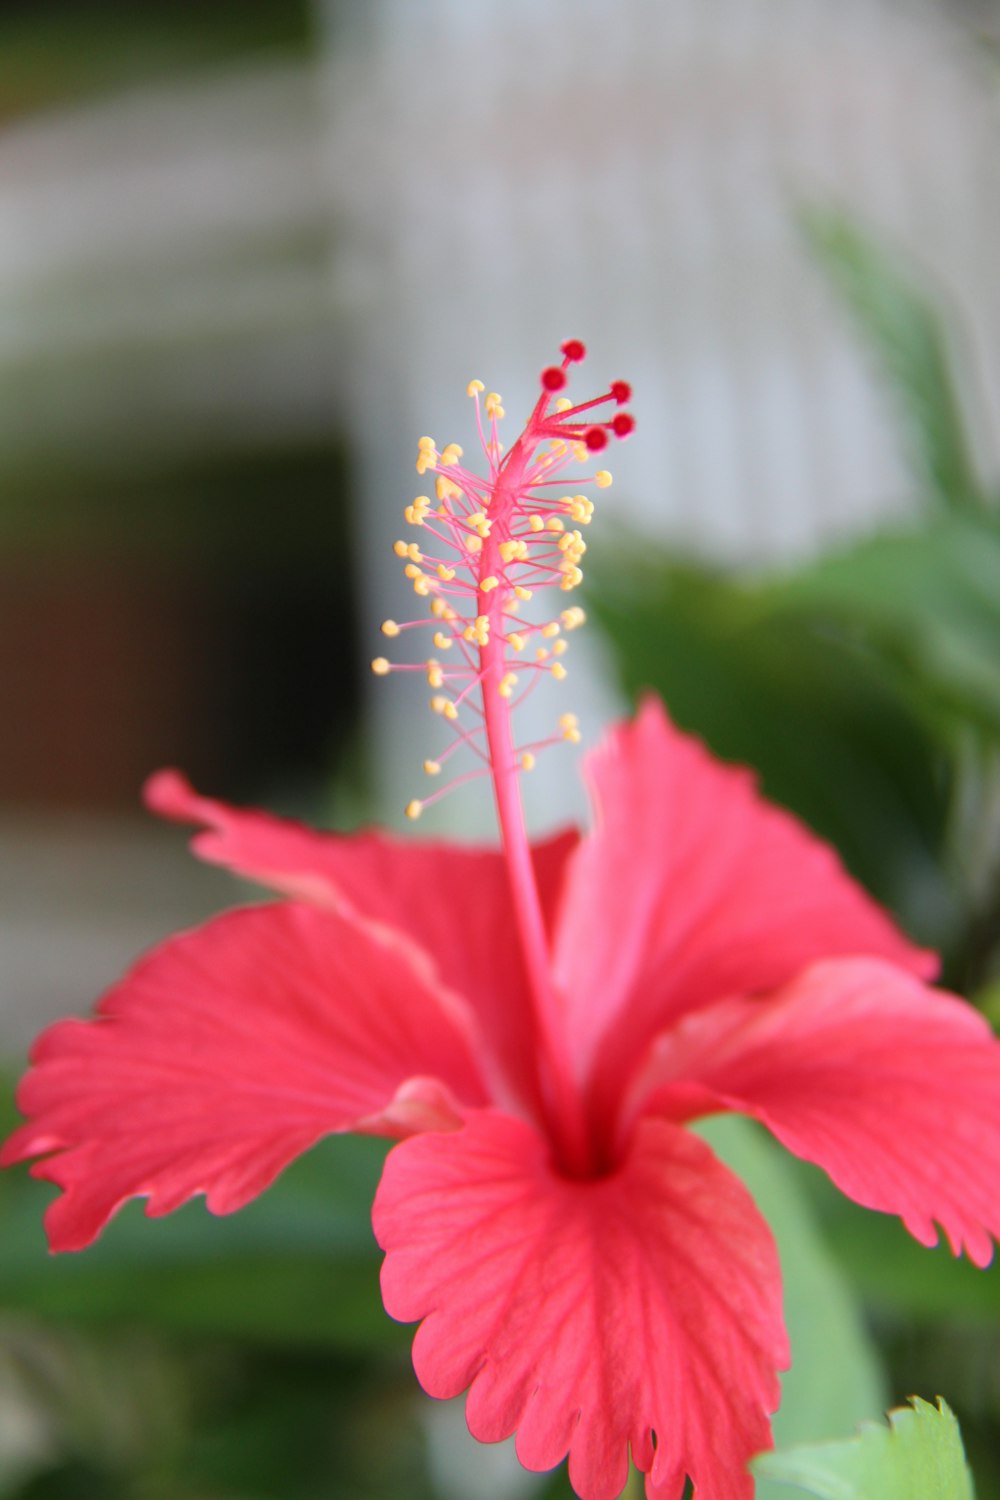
(575, 1312)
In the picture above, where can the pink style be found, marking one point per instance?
(535, 1027)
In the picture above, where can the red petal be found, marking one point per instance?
(892, 1088)
(451, 901)
(589, 1316)
(692, 888)
(227, 1052)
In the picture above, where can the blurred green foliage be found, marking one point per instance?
(864, 687)
(66, 50)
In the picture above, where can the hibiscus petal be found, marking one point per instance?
(589, 1315)
(692, 888)
(452, 902)
(892, 1088)
(228, 1051)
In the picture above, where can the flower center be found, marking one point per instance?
(489, 546)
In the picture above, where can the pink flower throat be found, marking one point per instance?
(489, 545)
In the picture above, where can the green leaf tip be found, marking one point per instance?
(907, 333)
(918, 1456)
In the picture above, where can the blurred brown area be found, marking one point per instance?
(204, 619)
(173, 490)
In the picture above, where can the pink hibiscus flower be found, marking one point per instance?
(536, 1027)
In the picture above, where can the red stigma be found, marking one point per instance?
(553, 379)
(623, 424)
(595, 438)
(574, 350)
(622, 391)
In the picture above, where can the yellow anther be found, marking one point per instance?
(514, 551)
(435, 676)
(573, 542)
(442, 641)
(445, 574)
(432, 767)
(424, 462)
(474, 388)
(558, 446)
(450, 711)
(508, 683)
(581, 452)
(439, 703)
(559, 648)
(474, 543)
(380, 666)
(414, 553)
(478, 631)
(573, 618)
(438, 608)
(551, 629)
(426, 444)
(414, 808)
(494, 405)
(479, 522)
(489, 584)
(401, 549)
(523, 593)
(581, 509)
(555, 523)
(563, 403)
(536, 523)
(602, 479)
(558, 671)
(568, 721)
(412, 571)
(450, 456)
(446, 488)
(416, 512)
(421, 586)
(515, 641)
(542, 654)
(390, 628)
(527, 761)
(571, 577)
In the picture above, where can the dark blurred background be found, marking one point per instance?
(248, 254)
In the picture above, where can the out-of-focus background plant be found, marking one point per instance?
(247, 254)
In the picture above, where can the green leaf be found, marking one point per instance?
(928, 597)
(904, 331)
(919, 1456)
(830, 733)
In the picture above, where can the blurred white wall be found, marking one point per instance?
(459, 186)
(627, 173)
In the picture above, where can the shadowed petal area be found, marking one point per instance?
(589, 1315)
(449, 900)
(692, 888)
(227, 1052)
(892, 1088)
